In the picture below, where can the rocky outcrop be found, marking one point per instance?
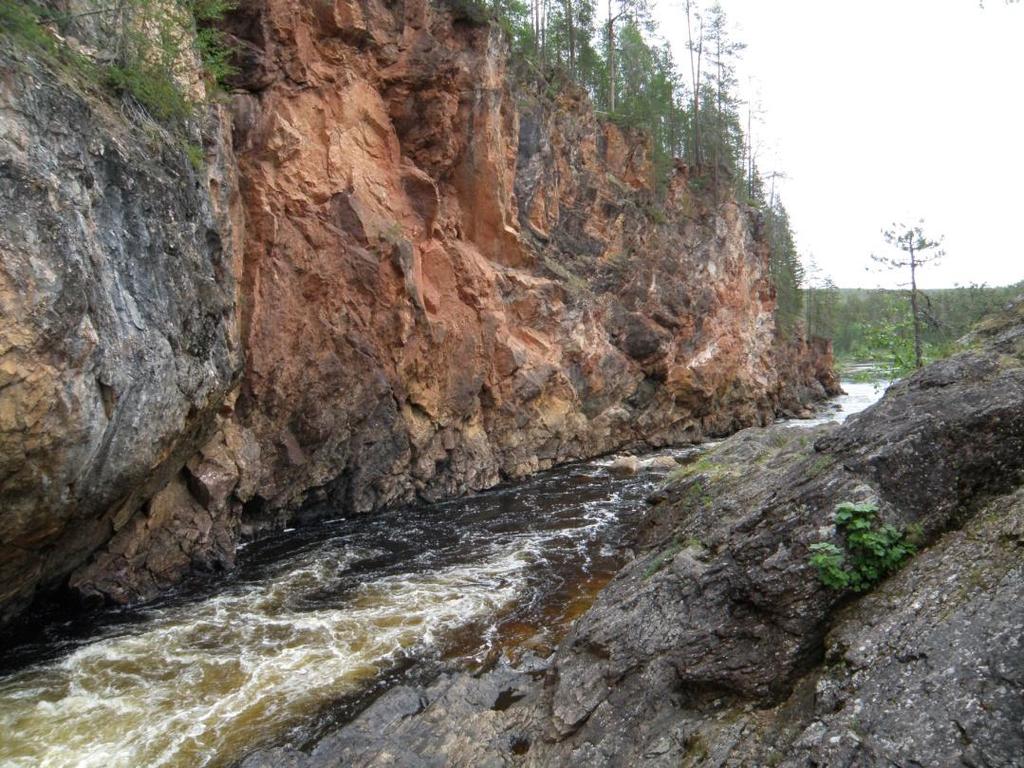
(720, 646)
(444, 279)
(807, 373)
(118, 341)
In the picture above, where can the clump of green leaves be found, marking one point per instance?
(155, 43)
(660, 560)
(872, 550)
(153, 88)
(195, 155)
(215, 50)
(22, 20)
(473, 11)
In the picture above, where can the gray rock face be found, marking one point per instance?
(720, 646)
(117, 330)
(929, 670)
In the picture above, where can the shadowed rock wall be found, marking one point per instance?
(118, 342)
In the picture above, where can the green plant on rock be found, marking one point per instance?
(662, 559)
(871, 552)
(215, 50)
(22, 20)
(195, 155)
(151, 47)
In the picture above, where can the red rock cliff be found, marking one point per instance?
(451, 281)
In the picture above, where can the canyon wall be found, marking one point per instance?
(431, 280)
(118, 340)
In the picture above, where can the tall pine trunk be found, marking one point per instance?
(611, 59)
(571, 21)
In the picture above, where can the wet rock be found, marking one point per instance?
(625, 465)
(173, 536)
(499, 697)
(660, 462)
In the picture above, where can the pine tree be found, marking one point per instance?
(720, 100)
(920, 251)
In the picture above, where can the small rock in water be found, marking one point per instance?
(625, 465)
(661, 462)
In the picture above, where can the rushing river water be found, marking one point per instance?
(315, 617)
(859, 395)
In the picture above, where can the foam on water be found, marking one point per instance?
(858, 396)
(320, 614)
(202, 682)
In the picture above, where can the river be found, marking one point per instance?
(314, 620)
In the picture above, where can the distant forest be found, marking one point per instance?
(876, 325)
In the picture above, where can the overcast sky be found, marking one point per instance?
(885, 110)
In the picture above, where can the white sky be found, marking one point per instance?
(885, 110)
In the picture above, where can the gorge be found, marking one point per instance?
(400, 406)
(392, 275)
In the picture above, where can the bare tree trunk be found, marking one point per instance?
(544, 33)
(720, 127)
(536, 28)
(571, 21)
(122, 27)
(913, 308)
(695, 81)
(611, 59)
(750, 155)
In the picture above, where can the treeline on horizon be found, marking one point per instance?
(691, 110)
(876, 325)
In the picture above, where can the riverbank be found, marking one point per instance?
(382, 270)
(317, 619)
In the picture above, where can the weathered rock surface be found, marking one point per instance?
(117, 337)
(454, 282)
(721, 647)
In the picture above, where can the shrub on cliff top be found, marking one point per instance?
(149, 48)
(872, 551)
(21, 20)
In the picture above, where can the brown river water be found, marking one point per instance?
(315, 620)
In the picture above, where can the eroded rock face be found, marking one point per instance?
(117, 338)
(452, 282)
(720, 646)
